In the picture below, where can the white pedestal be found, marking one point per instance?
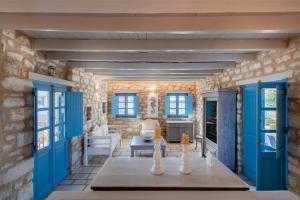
(185, 160)
(156, 167)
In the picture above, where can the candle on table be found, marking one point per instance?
(157, 133)
(185, 138)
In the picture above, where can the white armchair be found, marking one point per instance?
(147, 127)
(102, 141)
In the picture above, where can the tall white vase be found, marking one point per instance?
(156, 167)
(185, 160)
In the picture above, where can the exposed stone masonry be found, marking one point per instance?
(143, 89)
(266, 63)
(94, 94)
(17, 59)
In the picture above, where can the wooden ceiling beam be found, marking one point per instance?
(221, 23)
(149, 7)
(152, 66)
(149, 57)
(180, 46)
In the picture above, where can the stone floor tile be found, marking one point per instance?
(85, 170)
(67, 182)
(70, 187)
(80, 176)
(92, 176)
(80, 182)
(87, 188)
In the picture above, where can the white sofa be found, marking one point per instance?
(102, 141)
(147, 127)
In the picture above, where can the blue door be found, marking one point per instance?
(265, 138)
(51, 158)
(271, 140)
(250, 132)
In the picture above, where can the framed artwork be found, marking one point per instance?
(152, 106)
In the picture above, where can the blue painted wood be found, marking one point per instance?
(281, 119)
(51, 162)
(167, 105)
(60, 147)
(224, 147)
(74, 113)
(42, 174)
(136, 105)
(250, 132)
(189, 105)
(270, 166)
(114, 105)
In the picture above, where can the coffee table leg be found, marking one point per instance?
(132, 152)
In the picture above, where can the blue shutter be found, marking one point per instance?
(281, 119)
(74, 114)
(167, 105)
(189, 105)
(114, 105)
(136, 105)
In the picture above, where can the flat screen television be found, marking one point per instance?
(211, 121)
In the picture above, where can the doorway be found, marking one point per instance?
(51, 149)
(265, 135)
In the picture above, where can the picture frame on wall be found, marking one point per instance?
(152, 106)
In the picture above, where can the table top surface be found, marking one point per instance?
(173, 195)
(139, 141)
(134, 174)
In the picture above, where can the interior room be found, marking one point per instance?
(150, 100)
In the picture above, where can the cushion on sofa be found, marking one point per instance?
(149, 124)
(104, 128)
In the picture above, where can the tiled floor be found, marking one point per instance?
(81, 179)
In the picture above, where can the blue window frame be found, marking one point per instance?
(179, 105)
(125, 105)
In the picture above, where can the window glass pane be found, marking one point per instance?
(43, 99)
(59, 116)
(59, 99)
(269, 97)
(130, 105)
(181, 105)
(122, 99)
(121, 111)
(269, 120)
(172, 111)
(121, 105)
(43, 139)
(56, 134)
(172, 105)
(130, 111)
(43, 119)
(59, 133)
(268, 141)
(172, 99)
(181, 99)
(130, 99)
(181, 111)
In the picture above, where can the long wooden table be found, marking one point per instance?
(134, 174)
(173, 195)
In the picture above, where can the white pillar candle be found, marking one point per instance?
(156, 167)
(185, 160)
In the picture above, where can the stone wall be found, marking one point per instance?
(16, 105)
(94, 94)
(267, 63)
(130, 126)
